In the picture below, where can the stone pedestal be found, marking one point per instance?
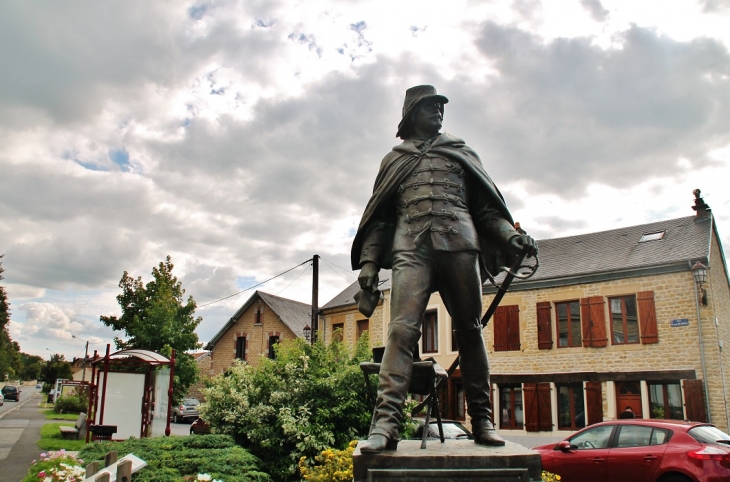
(455, 460)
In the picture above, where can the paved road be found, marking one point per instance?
(20, 428)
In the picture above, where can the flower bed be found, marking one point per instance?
(59, 466)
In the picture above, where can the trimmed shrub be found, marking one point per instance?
(172, 459)
(71, 404)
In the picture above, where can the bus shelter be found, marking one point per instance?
(130, 395)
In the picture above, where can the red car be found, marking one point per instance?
(638, 450)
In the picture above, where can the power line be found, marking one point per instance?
(298, 276)
(348, 271)
(332, 266)
(256, 285)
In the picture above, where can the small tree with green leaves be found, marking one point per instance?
(156, 317)
(9, 350)
(310, 398)
(57, 367)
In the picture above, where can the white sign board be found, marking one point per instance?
(122, 403)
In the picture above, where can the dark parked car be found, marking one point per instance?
(638, 450)
(11, 393)
(186, 411)
(199, 427)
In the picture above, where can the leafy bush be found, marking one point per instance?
(171, 459)
(310, 398)
(56, 466)
(71, 404)
(329, 466)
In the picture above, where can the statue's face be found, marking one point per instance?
(428, 117)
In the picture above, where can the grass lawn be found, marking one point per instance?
(52, 415)
(51, 438)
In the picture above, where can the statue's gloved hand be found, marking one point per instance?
(368, 277)
(522, 244)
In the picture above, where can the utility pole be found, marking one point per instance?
(315, 297)
(86, 358)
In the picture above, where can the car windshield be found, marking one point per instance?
(9, 389)
(707, 434)
(191, 402)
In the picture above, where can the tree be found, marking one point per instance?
(9, 350)
(56, 368)
(308, 399)
(30, 367)
(155, 317)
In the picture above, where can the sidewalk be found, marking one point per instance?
(19, 432)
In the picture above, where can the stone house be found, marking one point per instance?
(255, 328)
(609, 320)
(205, 366)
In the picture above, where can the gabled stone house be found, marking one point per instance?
(255, 328)
(609, 320)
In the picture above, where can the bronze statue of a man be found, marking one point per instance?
(438, 221)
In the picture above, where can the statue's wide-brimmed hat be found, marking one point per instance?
(414, 96)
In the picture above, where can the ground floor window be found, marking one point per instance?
(571, 407)
(338, 330)
(510, 406)
(665, 401)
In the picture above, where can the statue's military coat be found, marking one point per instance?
(374, 237)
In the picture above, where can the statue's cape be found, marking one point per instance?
(396, 165)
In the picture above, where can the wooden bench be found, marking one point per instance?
(74, 433)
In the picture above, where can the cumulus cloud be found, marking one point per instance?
(242, 138)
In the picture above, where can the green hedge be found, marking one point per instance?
(71, 404)
(169, 459)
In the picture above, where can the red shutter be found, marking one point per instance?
(529, 393)
(513, 327)
(647, 317)
(544, 407)
(585, 318)
(500, 329)
(544, 328)
(694, 401)
(594, 401)
(594, 321)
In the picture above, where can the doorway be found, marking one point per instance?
(628, 394)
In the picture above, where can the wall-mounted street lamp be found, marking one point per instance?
(308, 333)
(699, 271)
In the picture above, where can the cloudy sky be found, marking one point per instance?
(242, 137)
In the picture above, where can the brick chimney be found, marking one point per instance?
(701, 209)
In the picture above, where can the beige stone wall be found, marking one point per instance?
(205, 366)
(349, 317)
(716, 328)
(678, 347)
(257, 337)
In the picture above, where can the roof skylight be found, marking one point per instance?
(652, 236)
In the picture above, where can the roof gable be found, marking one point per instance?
(293, 314)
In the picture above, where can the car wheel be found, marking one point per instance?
(676, 478)
(175, 418)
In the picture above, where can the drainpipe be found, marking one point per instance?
(702, 352)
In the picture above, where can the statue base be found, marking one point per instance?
(455, 460)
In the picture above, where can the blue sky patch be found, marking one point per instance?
(244, 282)
(120, 157)
(196, 12)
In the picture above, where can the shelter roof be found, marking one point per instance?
(147, 356)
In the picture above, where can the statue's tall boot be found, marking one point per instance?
(394, 380)
(475, 376)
